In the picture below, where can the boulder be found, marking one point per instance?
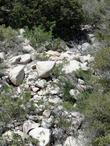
(87, 58)
(15, 59)
(21, 59)
(42, 135)
(27, 48)
(71, 141)
(2, 56)
(26, 58)
(21, 31)
(85, 46)
(29, 125)
(72, 66)
(44, 68)
(16, 75)
(8, 136)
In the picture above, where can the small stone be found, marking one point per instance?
(33, 66)
(55, 100)
(34, 89)
(40, 83)
(74, 92)
(81, 82)
(47, 113)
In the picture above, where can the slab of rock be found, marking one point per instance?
(15, 59)
(85, 46)
(16, 75)
(29, 125)
(26, 58)
(42, 135)
(72, 66)
(21, 59)
(44, 68)
(2, 56)
(87, 58)
(8, 136)
(71, 141)
(27, 48)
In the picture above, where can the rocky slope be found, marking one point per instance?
(43, 75)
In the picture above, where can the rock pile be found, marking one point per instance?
(51, 123)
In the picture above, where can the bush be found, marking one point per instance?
(94, 11)
(102, 59)
(38, 36)
(14, 108)
(96, 107)
(63, 16)
(7, 33)
(57, 45)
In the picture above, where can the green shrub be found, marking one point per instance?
(97, 108)
(57, 45)
(63, 16)
(102, 141)
(14, 108)
(84, 75)
(66, 85)
(94, 11)
(7, 33)
(38, 36)
(102, 59)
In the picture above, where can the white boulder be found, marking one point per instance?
(44, 68)
(29, 125)
(72, 66)
(27, 48)
(16, 75)
(2, 56)
(85, 46)
(71, 141)
(87, 58)
(42, 135)
(26, 58)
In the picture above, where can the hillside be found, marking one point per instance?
(54, 73)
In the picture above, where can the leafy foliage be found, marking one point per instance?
(62, 16)
(102, 59)
(38, 36)
(14, 108)
(7, 33)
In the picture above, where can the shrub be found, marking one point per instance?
(94, 11)
(14, 108)
(66, 84)
(38, 36)
(7, 33)
(63, 16)
(57, 45)
(102, 59)
(97, 108)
